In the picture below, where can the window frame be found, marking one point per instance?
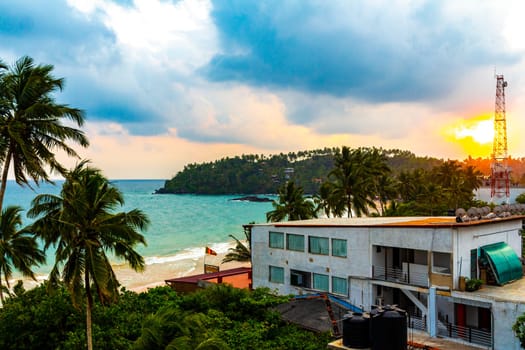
(270, 239)
(288, 235)
(345, 245)
(320, 252)
(270, 275)
(314, 275)
(345, 282)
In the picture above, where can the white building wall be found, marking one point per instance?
(504, 316)
(467, 238)
(430, 239)
(357, 262)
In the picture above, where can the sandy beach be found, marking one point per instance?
(159, 269)
(155, 274)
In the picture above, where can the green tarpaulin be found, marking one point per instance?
(504, 262)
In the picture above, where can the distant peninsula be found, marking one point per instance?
(259, 174)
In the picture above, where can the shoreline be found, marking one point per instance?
(158, 269)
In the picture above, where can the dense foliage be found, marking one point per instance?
(83, 224)
(214, 317)
(256, 174)
(291, 205)
(519, 329)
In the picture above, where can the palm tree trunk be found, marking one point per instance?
(89, 307)
(1, 289)
(3, 180)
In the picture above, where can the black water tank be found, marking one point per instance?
(356, 330)
(388, 328)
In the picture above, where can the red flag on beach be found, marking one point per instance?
(210, 251)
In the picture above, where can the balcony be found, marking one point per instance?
(469, 334)
(413, 274)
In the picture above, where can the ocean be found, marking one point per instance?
(181, 225)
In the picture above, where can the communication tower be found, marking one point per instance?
(500, 173)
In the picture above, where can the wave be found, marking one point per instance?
(189, 253)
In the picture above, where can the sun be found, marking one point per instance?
(474, 135)
(481, 131)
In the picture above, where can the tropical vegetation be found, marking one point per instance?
(83, 226)
(18, 248)
(33, 125)
(291, 205)
(157, 319)
(242, 250)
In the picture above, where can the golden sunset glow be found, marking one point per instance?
(474, 135)
(481, 131)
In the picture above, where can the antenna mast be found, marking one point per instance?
(499, 178)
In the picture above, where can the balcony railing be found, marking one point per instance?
(405, 276)
(469, 334)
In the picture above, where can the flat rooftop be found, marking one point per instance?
(511, 292)
(390, 221)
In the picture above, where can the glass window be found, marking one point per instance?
(339, 247)
(276, 274)
(318, 245)
(295, 242)
(320, 282)
(276, 240)
(339, 285)
(441, 262)
(300, 278)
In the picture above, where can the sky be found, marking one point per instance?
(168, 83)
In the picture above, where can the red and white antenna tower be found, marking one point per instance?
(500, 174)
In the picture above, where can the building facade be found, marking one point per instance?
(418, 263)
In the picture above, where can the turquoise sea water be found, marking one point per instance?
(181, 225)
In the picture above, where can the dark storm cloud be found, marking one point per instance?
(349, 48)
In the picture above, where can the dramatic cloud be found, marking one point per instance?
(196, 80)
(374, 51)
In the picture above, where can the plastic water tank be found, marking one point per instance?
(388, 328)
(356, 330)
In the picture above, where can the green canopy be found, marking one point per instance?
(504, 262)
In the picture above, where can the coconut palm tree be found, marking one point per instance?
(32, 124)
(18, 248)
(241, 252)
(291, 205)
(83, 225)
(353, 179)
(171, 328)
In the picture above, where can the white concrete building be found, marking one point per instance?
(414, 262)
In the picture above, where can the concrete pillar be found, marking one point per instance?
(432, 312)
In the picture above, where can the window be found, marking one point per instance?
(300, 278)
(295, 242)
(441, 262)
(339, 247)
(339, 285)
(276, 274)
(276, 240)
(320, 282)
(318, 245)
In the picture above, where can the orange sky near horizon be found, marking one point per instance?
(474, 135)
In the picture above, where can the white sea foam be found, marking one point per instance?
(189, 254)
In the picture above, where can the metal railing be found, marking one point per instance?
(398, 275)
(469, 334)
(417, 322)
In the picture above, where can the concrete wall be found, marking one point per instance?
(467, 238)
(504, 316)
(357, 262)
(428, 239)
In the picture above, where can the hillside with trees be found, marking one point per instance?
(260, 174)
